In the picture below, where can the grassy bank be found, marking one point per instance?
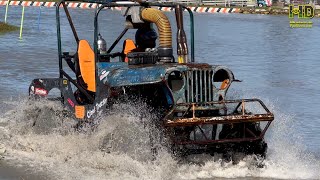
(7, 27)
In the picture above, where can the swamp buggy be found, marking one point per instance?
(190, 97)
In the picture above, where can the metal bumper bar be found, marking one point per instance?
(234, 117)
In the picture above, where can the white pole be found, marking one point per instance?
(21, 22)
(6, 15)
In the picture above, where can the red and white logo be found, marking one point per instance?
(70, 102)
(40, 91)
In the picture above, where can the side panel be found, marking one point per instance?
(40, 88)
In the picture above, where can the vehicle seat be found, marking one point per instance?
(87, 65)
(224, 84)
(128, 46)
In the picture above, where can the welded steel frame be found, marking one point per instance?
(104, 4)
(233, 118)
(62, 73)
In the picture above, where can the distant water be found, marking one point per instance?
(277, 64)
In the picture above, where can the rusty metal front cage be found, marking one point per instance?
(178, 118)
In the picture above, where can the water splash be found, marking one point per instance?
(41, 136)
(288, 156)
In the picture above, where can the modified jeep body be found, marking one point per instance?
(188, 97)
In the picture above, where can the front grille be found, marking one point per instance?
(199, 87)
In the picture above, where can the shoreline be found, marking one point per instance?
(5, 28)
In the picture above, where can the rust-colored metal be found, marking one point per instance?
(242, 107)
(198, 65)
(234, 117)
(219, 120)
(232, 101)
(193, 111)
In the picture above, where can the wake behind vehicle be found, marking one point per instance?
(189, 97)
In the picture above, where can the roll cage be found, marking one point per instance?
(100, 6)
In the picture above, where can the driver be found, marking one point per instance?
(145, 40)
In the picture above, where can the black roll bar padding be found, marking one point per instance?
(68, 58)
(78, 86)
(60, 54)
(117, 40)
(70, 22)
(59, 39)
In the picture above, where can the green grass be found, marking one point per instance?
(4, 27)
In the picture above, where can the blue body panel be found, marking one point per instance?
(120, 74)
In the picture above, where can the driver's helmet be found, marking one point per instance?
(146, 37)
